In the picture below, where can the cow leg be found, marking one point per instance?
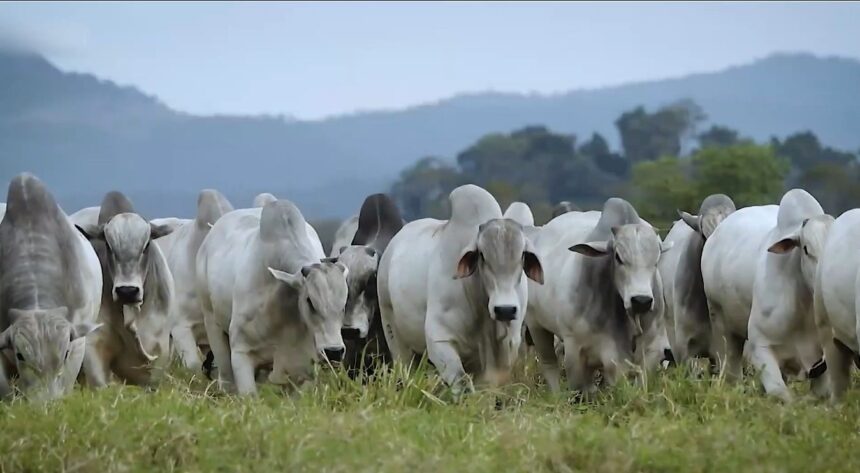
(97, 357)
(764, 360)
(220, 346)
(186, 347)
(243, 373)
(544, 342)
(579, 377)
(838, 372)
(734, 357)
(73, 365)
(447, 361)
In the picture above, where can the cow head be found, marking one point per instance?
(809, 238)
(501, 253)
(361, 261)
(322, 293)
(714, 209)
(127, 238)
(38, 343)
(635, 249)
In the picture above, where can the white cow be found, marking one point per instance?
(344, 235)
(457, 289)
(676, 240)
(261, 200)
(180, 250)
(835, 295)
(758, 269)
(50, 289)
(602, 296)
(267, 299)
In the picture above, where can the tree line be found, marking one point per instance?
(666, 162)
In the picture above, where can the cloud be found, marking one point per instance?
(52, 39)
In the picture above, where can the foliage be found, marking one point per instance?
(719, 137)
(423, 188)
(749, 174)
(648, 136)
(660, 187)
(406, 421)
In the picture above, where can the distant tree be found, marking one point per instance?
(749, 174)
(660, 187)
(718, 137)
(423, 189)
(597, 149)
(647, 136)
(804, 151)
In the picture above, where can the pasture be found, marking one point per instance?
(408, 422)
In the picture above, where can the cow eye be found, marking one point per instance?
(19, 356)
(311, 305)
(618, 259)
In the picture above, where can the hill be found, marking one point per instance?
(85, 136)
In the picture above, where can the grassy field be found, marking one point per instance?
(408, 422)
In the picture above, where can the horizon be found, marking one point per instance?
(348, 61)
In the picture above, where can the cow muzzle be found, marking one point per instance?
(334, 354)
(641, 304)
(128, 295)
(505, 313)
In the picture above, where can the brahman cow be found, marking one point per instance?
(456, 289)
(378, 221)
(758, 270)
(602, 296)
(137, 296)
(50, 289)
(835, 300)
(687, 319)
(344, 235)
(267, 299)
(186, 318)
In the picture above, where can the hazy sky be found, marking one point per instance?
(313, 60)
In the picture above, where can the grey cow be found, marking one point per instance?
(136, 297)
(50, 284)
(687, 318)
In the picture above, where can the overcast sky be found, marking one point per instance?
(314, 60)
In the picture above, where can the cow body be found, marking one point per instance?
(267, 299)
(456, 290)
(50, 290)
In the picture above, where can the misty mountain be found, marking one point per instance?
(85, 136)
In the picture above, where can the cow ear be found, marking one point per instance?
(691, 220)
(92, 231)
(292, 280)
(592, 249)
(468, 262)
(370, 251)
(6, 339)
(158, 231)
(82, 330)
(531, 263)
(614, 230)
(785, 245)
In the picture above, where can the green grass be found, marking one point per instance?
(409, 423)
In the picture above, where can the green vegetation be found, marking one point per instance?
(676, 422)
(665, 165)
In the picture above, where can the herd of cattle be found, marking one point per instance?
(249, 295)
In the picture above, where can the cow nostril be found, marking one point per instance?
(505, 313)
(641, 304)
(334, 354)
(350, 333)
(128, 293)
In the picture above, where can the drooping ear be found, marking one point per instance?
(785, 245)
(691, 220)
(158, 231)
(468, 262)
(531, 263)
(592, 248)
(666, 246)
(83, 329)
(292, 280)
(343, 268)
(92, 231)
(6, 339)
